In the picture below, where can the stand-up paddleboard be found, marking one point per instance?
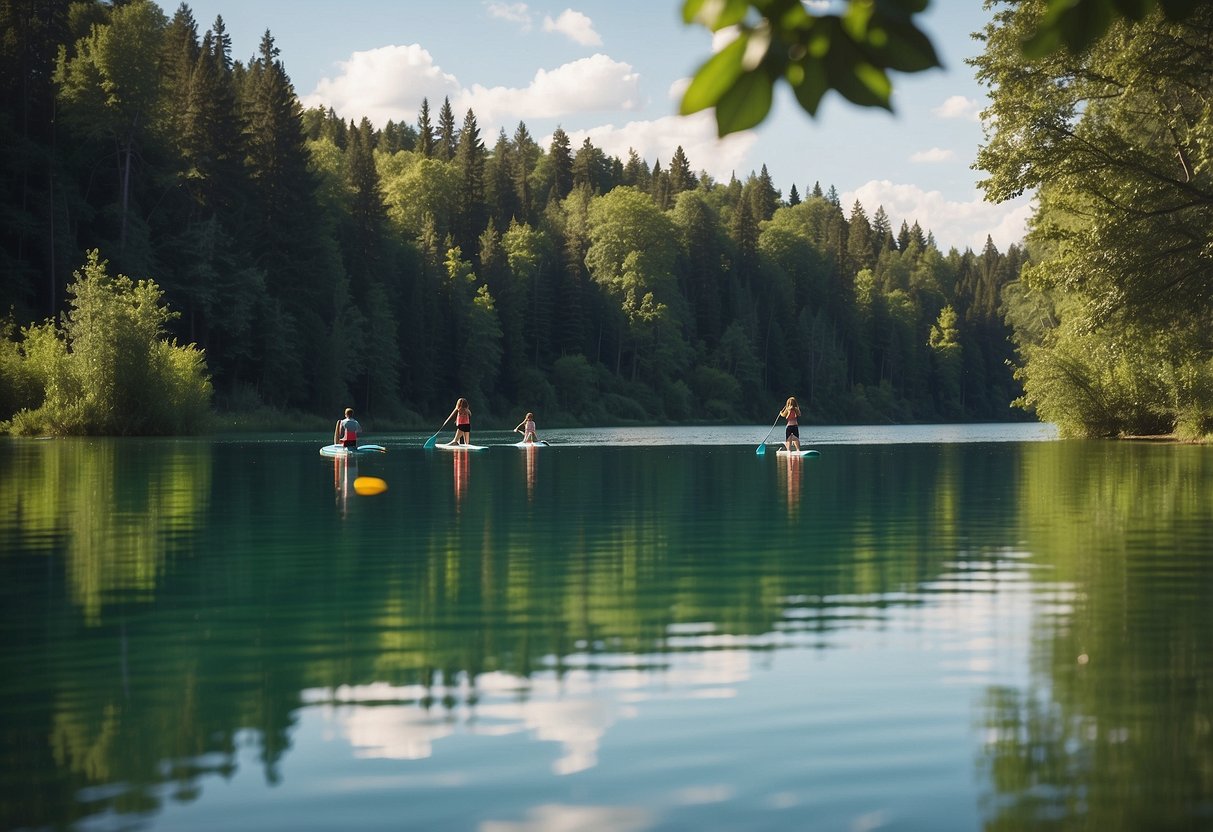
(786, 452)
(341, 450)
(448, 447)
(539, 444)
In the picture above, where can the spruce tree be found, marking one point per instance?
(499, 184)
(472, 209)
(445, 146)
(425, 130)
(561, 155)
(636, 172)
(523, 159)
(680, 176)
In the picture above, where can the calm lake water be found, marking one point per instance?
(924, 628)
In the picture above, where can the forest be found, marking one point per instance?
(318, 261)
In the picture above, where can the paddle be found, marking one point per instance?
(429, 443)
(762, 447)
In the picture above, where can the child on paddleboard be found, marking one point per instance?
(463, 423)
(791, 434)
(347, 430)
(527, 428)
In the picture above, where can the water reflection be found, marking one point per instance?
(345, 471)
(461, 466)
(663, 636)
(532, 457)
(113, 510)
(1112, 730)
(793, 471)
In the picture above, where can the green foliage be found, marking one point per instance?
(853, 52)
(1112, 320)
(850, 53)
(946, 356)
(106, 369)
(19, 387)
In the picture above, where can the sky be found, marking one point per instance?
(614, 71)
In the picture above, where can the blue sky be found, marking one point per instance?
(613, 70)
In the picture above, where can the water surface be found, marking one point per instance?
(923, 628)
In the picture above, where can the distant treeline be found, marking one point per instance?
(321, 262)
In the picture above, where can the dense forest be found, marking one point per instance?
(319, 261)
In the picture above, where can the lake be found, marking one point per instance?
(924, 628)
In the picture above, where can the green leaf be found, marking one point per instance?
(745, 104)
(906, 48)
(812, 85)
(714, 78)
(849, 72)
(715, 14)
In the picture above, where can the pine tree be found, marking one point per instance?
(562, 165)
(590, 168)
(636, 172)
(222, 43)
(859, 240)
(793, 196)
(499, 185)
(472, 209)
(447, 142)
(363, 246)
(180, 56)
(766, 198)
(882, 233)
(903, 237)
(425, 130)
(680, 176)
(292, 249)
(524, 157)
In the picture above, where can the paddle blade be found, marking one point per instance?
(429, 443)
(761, 449)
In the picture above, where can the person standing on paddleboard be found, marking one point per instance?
(791, 434)
(463, 423)
(347, 430)
(527, 428)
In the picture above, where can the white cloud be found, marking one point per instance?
(592, 84)
(958, 106)
(935, 154)
(384, 83)
(389, 83)
(512, 13)
(656, 141)
(574, 25)
(959, 224)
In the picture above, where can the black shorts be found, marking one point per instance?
(465, 428)
(793, 430)
(349, 443)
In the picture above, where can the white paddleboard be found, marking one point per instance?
(785, 452)
(341, 450)
(529, 444)
(448, 447)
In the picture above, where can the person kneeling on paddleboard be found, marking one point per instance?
(791, 435)
(527, 428)
(346, 432)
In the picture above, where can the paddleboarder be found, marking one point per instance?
(463, 423)
(791, 434)
(347, 430)
(527, 428)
